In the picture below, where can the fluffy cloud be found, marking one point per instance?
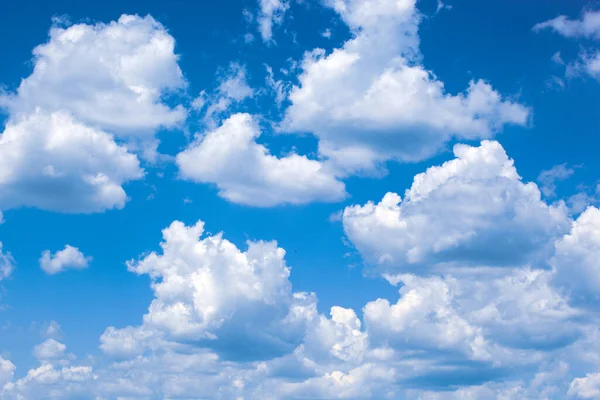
(225, 324)
(576, 261)
(210, 293)
(473, 210)
(110, 76)
(7, 264)
(7, 370)
(585, 388)
(271, 13)
(68, 258)
(49, 349)
(48, 380)
(53, 162)
(587, 26)
(424, 318)
(371, 100)
(246, 173)
(89, 82)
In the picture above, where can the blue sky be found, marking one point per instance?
(429, 169)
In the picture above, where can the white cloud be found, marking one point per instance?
(271, 13)
(89, 82)
(246, 173)
(53, 162)
(48, 380)
(49, 349)
(233, 89)
(7, 370)
(587, 64)
(68, 258)
(372, 101)
(585, 388)
(110, 76)
(473, 210)
(210, 293)
(7, 264)
(587, 26)
(548, 178)
(424, 318)
(576, 261)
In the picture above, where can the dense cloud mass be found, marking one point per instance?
(93, 99)
(473, 210)
(371, 100)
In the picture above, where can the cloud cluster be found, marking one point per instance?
(95, 92)
(588, 26)
(371, 100)
(246, 173)
(473, 210)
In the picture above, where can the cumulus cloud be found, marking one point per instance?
(207, 291)
(473, 210)
(53, 162)
(68, 382)
(372, 100)
(49, 349)
(68, 258)
(576, 261)
(7, 370)
(271, 13)
(94, 97)
(587, 26)
(110, 76)
(225, 323)
(246, 173)
(585, 388)
(7, 264)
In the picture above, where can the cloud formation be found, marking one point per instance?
(68, 258)
(372, 100)
(246, 173)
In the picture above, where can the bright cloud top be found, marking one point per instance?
(68, 258)
(53, 162)
(208, 291)
(471, 210)
(110, 76)
(246, 173)
(49, 349)
(371, 100)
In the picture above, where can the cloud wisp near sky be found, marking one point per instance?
(300, 199)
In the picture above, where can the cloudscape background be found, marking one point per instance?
(300, 199)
